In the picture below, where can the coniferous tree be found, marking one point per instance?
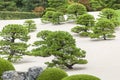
(13, 42)
(86, 22)
(62, 46)
(103, 29)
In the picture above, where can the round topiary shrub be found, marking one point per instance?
(5, 66)
(81, 77)
(52, 74)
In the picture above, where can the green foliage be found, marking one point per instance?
(76, 9)
(107, 3)
(116, 6)
(58, 5)
(110, 14)
(29, 5)
(95, 5)
(17, 15)
(47, 16)
(86, 21)
(81, 30)
(52, 3)
(30, 25)
(57, 17)
(52, 74)
(118, 11)
(5, 66)
(62, 46)
(54, 17)
(14, 49)
(8, 6)
(104, 29)
(81, 77)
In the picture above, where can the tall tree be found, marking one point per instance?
(13, 42)
(62, 46)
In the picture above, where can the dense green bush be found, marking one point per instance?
(5, 66)
(52, 74)
(116, 6)
(17, 15)
(81, 77)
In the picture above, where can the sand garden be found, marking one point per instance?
(103, 55)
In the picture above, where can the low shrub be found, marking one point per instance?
(52, 74)
(17, 15)
(5, 66)
(81, 77)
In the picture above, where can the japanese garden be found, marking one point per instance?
(59, 39)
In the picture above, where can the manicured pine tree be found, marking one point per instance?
(86, 22)
(104, 29)
(75, 9)
(13, 42)
(62, 46)
(110, 14)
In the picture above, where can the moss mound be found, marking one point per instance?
(5, 66)
(81, 77)
(52, 74)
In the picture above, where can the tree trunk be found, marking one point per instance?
(12, 52)
(69, 67)
(104, 37)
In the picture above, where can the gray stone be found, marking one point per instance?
(33, 72)
(23, 75)
(10, 75)
(14, 75)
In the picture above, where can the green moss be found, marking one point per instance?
(81, 77)
(52, 74)
(5, 66)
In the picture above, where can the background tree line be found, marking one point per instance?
(30, 5)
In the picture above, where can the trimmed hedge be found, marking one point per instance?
(5, 66)
(81, 77)
(52, 74)
(7, 15)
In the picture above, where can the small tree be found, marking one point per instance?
(110, 14)
(62, 46)
(30, 25)
(57, 17)
(76, 9)
(47, 16)
(54, 17)
(13, 42)
(104, 29)
(86, 21)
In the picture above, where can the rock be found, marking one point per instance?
(23, 76)
(10, 75)
(33, 72)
